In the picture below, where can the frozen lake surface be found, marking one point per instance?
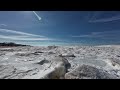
(36, 62)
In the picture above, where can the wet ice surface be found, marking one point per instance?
(34, 62)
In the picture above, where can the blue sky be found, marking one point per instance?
(60, 26)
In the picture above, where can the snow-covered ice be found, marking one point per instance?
(27, 62)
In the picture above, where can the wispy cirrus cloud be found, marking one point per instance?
(23, 38)
(103, 35)
(81, 36)
(3, 25)
(115, 16)
(18, 32)
(108, 19)
(17, 35)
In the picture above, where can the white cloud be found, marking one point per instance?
(106, 19)
(103, 35)
(21, 36)
(3, 25)
(18, 32)
(81, 36)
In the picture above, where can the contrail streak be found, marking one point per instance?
(39, 18)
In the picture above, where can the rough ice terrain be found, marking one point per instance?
(60, 62)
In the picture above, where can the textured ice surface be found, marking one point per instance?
(36, 62)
